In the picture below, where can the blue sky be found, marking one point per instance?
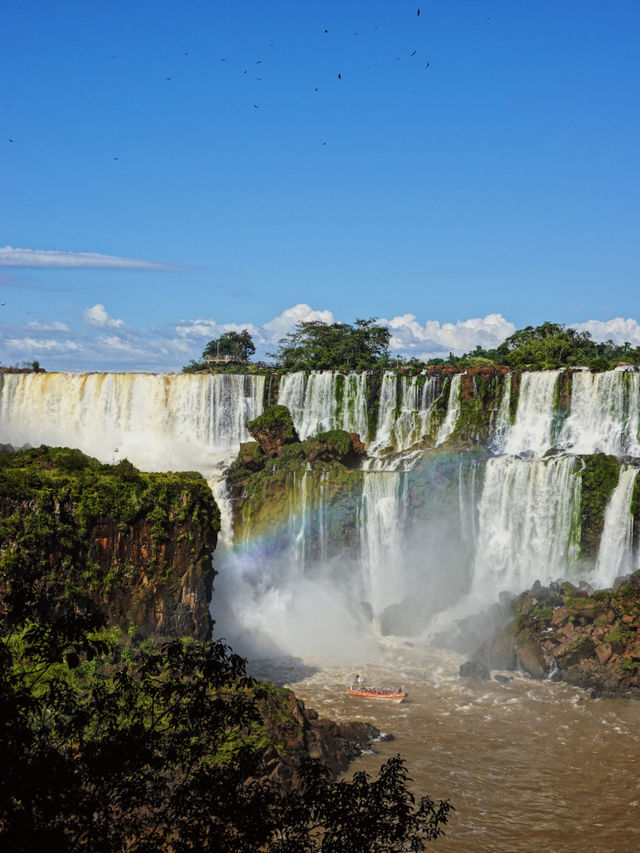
(169, 170)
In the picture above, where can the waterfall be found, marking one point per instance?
(159, 422)
(532, 430)
(404, 412)
(529, 523)
(503, 418)
(323, 400)
(453, 410)
(605, 413)
(381, 537)
(615, 555)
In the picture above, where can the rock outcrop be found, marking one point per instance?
(295, 731)
(139, 546)
(570, 634)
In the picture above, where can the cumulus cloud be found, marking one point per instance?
(409, 337)
(618, 330)
(274, 329)
(97, 316)
(52, 259)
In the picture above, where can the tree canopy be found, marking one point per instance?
(552, 345)
(236, 346)
(314, 345)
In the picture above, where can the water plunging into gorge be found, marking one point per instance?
(422, 535)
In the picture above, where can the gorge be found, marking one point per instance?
(471, 484)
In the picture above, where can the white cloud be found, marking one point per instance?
(618, 330)
(275, 329)
(204, 328)
(30, 346)
(51, 259)
(97, 316)
(433, 339)
(50, 327)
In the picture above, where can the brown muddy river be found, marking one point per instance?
(528, 765)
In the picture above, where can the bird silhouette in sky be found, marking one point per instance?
(339, 76)
(413, 53)
(10, 140)
(418, 12)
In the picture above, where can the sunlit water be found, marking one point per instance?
(528, 765)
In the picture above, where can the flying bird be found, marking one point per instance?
(418, 12)
(427, 65)
(10, 140)
(339, 76)
(256, 107)
(413, 53)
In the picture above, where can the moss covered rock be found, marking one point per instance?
(139, 545)
(273, 429)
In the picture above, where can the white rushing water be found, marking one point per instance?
(453, 410)
(604, 415)
(323, 400)
(615, 555)
(528, 523)
(160, 422)
(382, 529)
(531, 432)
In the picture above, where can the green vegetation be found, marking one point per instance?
(314, 345)
(234, 347)
(62, 513)
(553, 345)
(600, 475)
(275, 421)
(112, 742)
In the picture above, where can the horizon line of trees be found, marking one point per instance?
(364, 345)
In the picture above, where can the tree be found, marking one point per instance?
(154, 749)
(237, 345)
(328, 346)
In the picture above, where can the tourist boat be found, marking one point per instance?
(377, 693)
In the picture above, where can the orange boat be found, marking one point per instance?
(377, 693)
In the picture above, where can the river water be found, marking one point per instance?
(528, 765)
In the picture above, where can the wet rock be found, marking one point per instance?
(531, 657)
(474, 669)
(503, 679)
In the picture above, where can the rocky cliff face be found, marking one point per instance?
(138, 545)
(566, 633)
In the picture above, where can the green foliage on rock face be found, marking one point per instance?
(62, 515)
(314, 345)
(600, 475)
(274, 418)
(266, 489)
